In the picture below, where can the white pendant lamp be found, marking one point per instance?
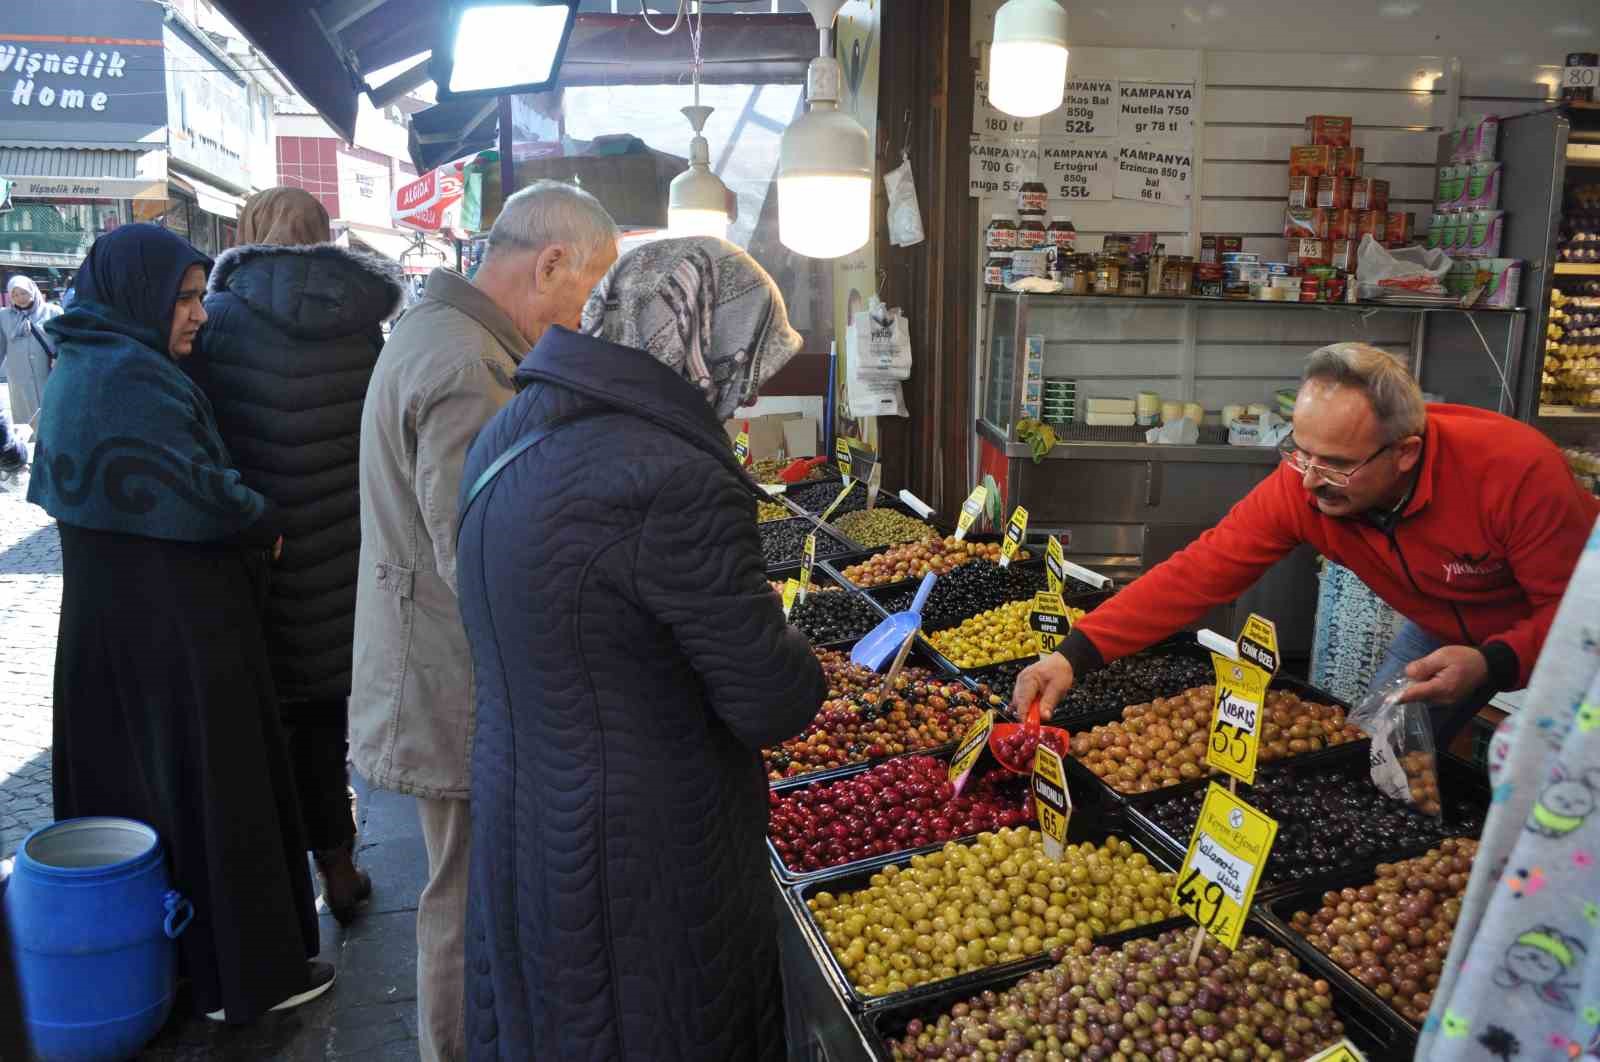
(1028, 59)
(697, 202)
(824, 162)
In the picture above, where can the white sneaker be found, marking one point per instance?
(322, 975)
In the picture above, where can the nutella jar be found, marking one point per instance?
(1062, 235)
(1030, 234)
(1033, 198)
(1001, 235)
(997, 271)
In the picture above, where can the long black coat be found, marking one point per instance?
(630, 660)
(285, 358)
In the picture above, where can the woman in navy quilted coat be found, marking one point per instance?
(630, 661)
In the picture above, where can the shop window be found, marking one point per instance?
(57, 226)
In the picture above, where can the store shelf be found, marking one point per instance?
(1055, 300)
(1577, 269)
(1568, 413)
(1128, 451)
(1585, 155)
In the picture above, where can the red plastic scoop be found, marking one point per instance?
(799, 470)
(1013, 743)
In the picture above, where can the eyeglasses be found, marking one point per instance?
(1338, 477)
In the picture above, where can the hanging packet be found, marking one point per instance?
(1404, 764)
(884, 342)
(905, 215)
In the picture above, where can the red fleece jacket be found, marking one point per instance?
(1481, 555)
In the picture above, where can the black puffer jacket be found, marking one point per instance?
(630, 660)
(292, 340)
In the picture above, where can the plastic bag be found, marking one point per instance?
(1404, 765)
(884, 343)
(1413, 269)
(905, 215)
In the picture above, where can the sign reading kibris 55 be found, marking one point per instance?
(82, 62)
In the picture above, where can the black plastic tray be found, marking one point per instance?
(1086, 598)
(1081, 828)
(787, 568)
(826, 576)
(1457, 778)
(1373, 1031)
(900, 584)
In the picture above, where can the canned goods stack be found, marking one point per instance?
(1060, 401)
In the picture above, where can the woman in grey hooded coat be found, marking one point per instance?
(23, 347)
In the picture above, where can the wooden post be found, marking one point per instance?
(508, 167)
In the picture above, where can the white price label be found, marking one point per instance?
(1153, 174)
(1580, 77)
(1156, 111)
(1080, 172)
(1001, 167)
(1238, 712)
(1088, 108)
(1228, 869)
(989, 120)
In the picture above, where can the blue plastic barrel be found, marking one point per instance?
(93, 920)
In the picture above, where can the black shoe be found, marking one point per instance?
(320, 975)
(345, 887)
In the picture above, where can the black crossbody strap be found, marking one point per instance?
(527, 442)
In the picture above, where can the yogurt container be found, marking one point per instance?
(1505, 283)
(1483, 185)
(1485, 233)
(1480, 140)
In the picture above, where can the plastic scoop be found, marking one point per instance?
(799, 470)
(1003, 738)
(882, 642)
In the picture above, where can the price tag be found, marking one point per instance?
(971, 747)
(841, 457)
(1258, 643)
(1016, 531)
(1237, 708)
(1052, 801)
(837, 501)
(1343, 1051)
(1580, 77)
(741, 448)
(1049, 620)
(971, 509)
(1219, 874)
(1055, 565)
(791, 588)
(806, 563)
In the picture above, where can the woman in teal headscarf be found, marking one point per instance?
(164, 704)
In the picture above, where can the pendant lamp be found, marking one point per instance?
(697, 202)
(1028, 59)
(824, 162)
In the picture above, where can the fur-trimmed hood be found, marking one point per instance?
(320, 291)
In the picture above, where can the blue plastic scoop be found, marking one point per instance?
(883, 642)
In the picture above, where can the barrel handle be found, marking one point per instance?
(179, 910)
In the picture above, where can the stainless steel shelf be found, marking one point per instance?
(1054, 300)
(1106, 451)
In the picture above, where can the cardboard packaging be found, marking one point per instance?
(1372, 223)
(800, 437)
(1315, 160)
(1347, 161)
(1333, 193)
(767, 434)
(1342, 223)
(1343, 255)
(1369, 193)
(1398, 229)
(1306, 252)
(1302, 192)
(1214, 245)
(1312, 222)
(1333, 130)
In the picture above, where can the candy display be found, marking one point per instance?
(1330, 817)
(858, 727)
(997, 899)
(901, 804)
(1142, 1000)
(882, 527)
(784, 541)
(1164, 742)
(917, 559)
(990, 637)
(1571, 351)
(967, 591)
(834, 617)
(1393, 934)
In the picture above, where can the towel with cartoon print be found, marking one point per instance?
(1522, 981)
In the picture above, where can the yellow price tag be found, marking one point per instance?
(841, 456)
(1055, 565)
(1049, 619)
(1343, 1051)
(791, 587)
(836, 501)
(1226, 856)
(971, 509)
(1052, 801)
(1016, 531)
(1258, 643)
(807, 562)
(971, 747)
(1237, 709)
(741, 448)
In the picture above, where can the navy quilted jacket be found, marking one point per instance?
(629, 661)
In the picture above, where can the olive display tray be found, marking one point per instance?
(981, 675)
(786, 876)
(785, 568)
(1458, 779)
(1076, 595)
(901, 584)
(1370, 1029)
(1079, 829)
(1277, 913)
(823, 575)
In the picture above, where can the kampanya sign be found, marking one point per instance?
(65, 80)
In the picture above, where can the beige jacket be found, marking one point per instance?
(445, 371)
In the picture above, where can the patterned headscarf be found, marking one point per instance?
(702, 307)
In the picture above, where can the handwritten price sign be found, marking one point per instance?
(1227, 854)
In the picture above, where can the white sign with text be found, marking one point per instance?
(1155, 110)
(1077, 171)
(1089, 108)
(1002, 167)
(1151, 173)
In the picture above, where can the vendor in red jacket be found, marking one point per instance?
(1466, 522)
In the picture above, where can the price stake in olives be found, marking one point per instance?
(1052, 801)
(741, 448)
(1049, 620)
(1343, 1051)
(971, 747)
(841, 457)
(837, 501)
(1238, 706)
(971, 509)
(1055, 565)
(1226, 856)
(791, 587)
(806, 564)
(1016, 531)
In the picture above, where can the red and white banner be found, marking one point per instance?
(432, 202)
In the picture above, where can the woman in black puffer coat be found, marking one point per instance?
(285, 358)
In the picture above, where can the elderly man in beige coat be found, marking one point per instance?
(445, 371)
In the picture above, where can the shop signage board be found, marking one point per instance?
(1154, 173)
(971, 509)
(1156, 111)
(1088, 108)
(1001, 167)
(1052, 801)
(1226, 856)
(1016, 531)
(972, 745)
(1049, 620)
(1078, 171)
(1239, 704)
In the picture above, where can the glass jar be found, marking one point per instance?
(997, 271)
(1132, 281)
(1033, 198)
(1001, 235)
(1107, 275)
(1078, 277)
(1030, 234)
(1177, 278)
(1061, 234)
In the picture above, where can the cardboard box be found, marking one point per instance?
(1397, 229)
(1342, 223)
(1343, 255)
(800, 437)
(1311, 161)
(1374, 223)
(1214, 245)
(1333, 130)
(1333, 193)
(1369, 193)
(1302, 192)
(1347, 161)
(1312, 222)
(766, 434)
(1310, 252)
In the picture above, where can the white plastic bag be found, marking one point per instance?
(1404, 765)
(866, 396)
(1413, 269)
(905, 216)
(884, 343)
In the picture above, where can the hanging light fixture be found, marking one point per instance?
(697, 201)
(825, 161)
(1028, 59)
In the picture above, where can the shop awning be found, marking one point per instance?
(214, 200)
(402, 247)
(84, 173)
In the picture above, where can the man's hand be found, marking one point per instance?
(1049, 680)
(1447, 675)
